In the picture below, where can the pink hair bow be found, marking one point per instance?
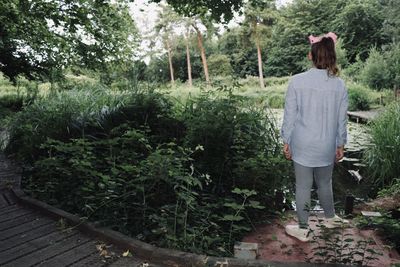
(316, 39)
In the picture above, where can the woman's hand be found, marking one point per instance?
(286, 152)
(339, 153)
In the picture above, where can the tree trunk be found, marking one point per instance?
(189, 65)
(203, 54)
(171, 68)
(260, 69)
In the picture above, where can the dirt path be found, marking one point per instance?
(275, 245)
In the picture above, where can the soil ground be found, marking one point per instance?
(275, 245)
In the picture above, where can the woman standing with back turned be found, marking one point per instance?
(314, 131)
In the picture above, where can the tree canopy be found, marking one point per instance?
(220, 11)
(39, 36)
(282, 32)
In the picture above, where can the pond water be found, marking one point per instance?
(358, 137)
(346, 176)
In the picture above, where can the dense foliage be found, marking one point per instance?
(38, 37)
(381, 69)
(358, 98)
(194, 176)
(216, 10)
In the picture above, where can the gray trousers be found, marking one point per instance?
(304, 181)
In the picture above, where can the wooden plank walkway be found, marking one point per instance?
(363, 116)
(29, 238)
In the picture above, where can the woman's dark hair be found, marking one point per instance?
(324, 55)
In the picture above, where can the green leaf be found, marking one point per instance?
(234, 218)
(233, 205)
(255, 204)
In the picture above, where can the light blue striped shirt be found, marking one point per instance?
(315, 117)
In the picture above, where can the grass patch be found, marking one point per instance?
(273, 95)
(383, 156)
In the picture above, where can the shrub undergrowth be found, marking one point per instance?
(359, 98)
(193, 176)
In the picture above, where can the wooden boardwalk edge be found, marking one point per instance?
(364, 116)
(140, 249)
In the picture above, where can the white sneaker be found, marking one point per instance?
(334, 222)
(297, 232)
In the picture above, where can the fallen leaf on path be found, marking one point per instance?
(127, 254)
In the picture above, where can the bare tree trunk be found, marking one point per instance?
(260, 69)
(171, 68)
(203, 54)
(189, 65)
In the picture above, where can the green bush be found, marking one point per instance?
(392, 58)
(341, 54)
(193, 177)
(12, 102)
(375, 72)
(125, 177)
(237, 143)
(353, 70)
(358, 98)
(383, 156)
(219, 65)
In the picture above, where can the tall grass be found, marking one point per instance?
(61, 116)
(383, 156)
(272, 96)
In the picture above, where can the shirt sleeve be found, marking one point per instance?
(341, 137)
(290, 114)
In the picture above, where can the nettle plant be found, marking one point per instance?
(340, 246)
(238, 209)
